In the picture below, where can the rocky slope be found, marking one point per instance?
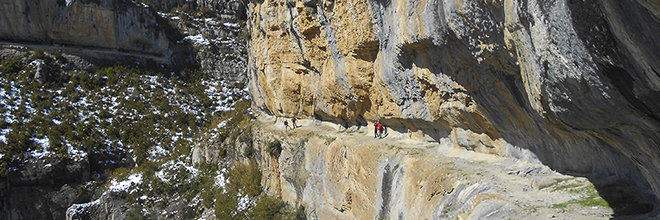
(53, 54)
(572, 82)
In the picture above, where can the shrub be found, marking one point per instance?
(299, 214)
(267, 208)
(244, 35)
(11, 65)
(247, 178)
(222, 153)
(246, 137)
(274, 147)
(225, 205)
(58, 56)
(120, 174)
(4, 167)
(205, 12)
(38, 54)
(249, 151)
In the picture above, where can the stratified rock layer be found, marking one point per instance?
(114, 29)
(348, 174)
(574, 82)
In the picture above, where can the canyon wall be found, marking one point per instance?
(573, 82)
(111, 28)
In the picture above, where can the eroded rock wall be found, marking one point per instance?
(573, 82)
(120, 26)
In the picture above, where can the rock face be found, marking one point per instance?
(223, 54)
(116, 26)
(574, 82)
(347, 174)
(109, 206)
(225, 9)
(44, 190)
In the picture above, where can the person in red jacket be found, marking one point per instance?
(380, 130)
(376, 129)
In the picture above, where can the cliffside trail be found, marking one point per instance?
(347, 174)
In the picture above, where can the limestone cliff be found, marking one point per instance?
(125, 27)
(574, 82)
(347, 174)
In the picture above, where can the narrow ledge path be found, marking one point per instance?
(528, 190)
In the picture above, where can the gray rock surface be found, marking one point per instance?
(44, 190)
(109, 206)
(225, 55)
(106, 30)
(347, 174)
(42, 73)
(569, 83)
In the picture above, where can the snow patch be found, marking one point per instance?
(75, 153)
(210, 21)
(233, 25)
(158, 151)
(123, 186)
(220, 179)
(43, 152)
(244, 202)
(197, 39)
(77, 209)
(3, 135)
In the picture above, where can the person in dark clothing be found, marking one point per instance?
(286, 125)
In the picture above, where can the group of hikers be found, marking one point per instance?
(379, 130)
(293, 126)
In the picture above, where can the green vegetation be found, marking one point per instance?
(144, 115)
(249, 151)
(591, 197)
(38, 54)
(244, 180)
(10, 66)
(267, 208)
(244, 36)
(567, 186)
(274, 147)
(113, 109)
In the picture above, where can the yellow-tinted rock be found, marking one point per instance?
(489, 76)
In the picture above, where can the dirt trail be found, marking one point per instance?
(533, 190)
(91, 52)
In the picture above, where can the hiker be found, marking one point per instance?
(286, 125)
(376, 129)
(294, 123)
(380, 130)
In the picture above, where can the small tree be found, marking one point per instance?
(267, 208)
(249, 151)
(274, 148)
